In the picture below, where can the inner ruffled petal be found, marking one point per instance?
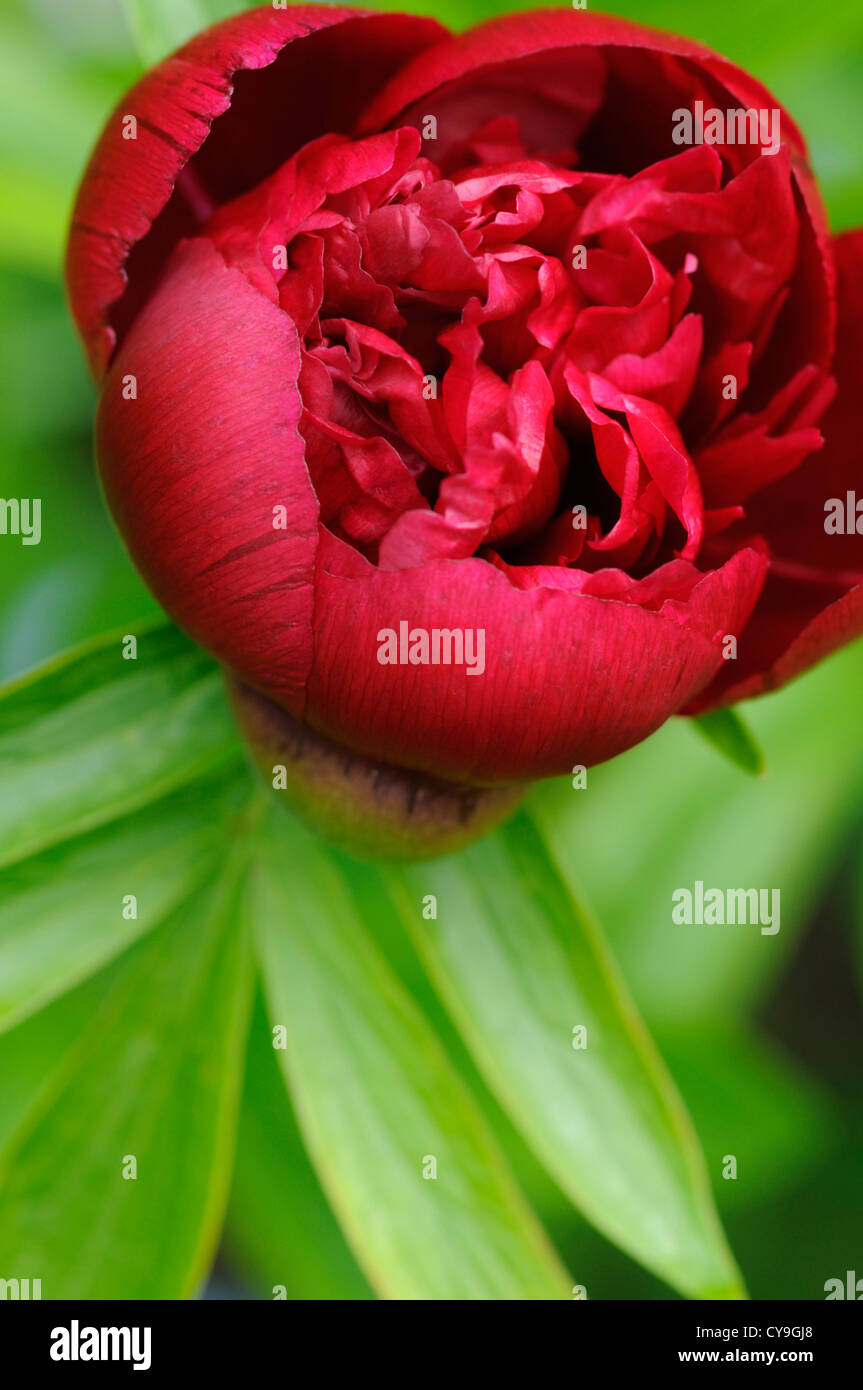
(512, 356)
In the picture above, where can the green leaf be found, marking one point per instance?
(155, 1075)
(279, 1229)
(378, 1101)
(729, 732)
(91, 736)
(32, 1052)
(522, 966)
(160, 26)
(65, 912)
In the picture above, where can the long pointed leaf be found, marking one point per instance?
(280, 1232)
(65, 912)
(522, 966)
(155, 1078)
(92, 736)
(378, 1102)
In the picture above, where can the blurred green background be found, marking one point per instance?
(762, 1034)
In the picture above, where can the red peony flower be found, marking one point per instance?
(475, 399)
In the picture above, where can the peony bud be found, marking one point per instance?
(390, 344)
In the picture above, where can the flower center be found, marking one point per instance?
(507, 356)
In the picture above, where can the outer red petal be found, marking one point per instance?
(180, 107)
(194, 467)
(518, 35)
(569, 679)
(813, 599)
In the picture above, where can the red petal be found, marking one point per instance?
(754, 450)
(519, 36)
(194, 467)
(568, 678)
(665, 376)
(257, 123)
(813, 599)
